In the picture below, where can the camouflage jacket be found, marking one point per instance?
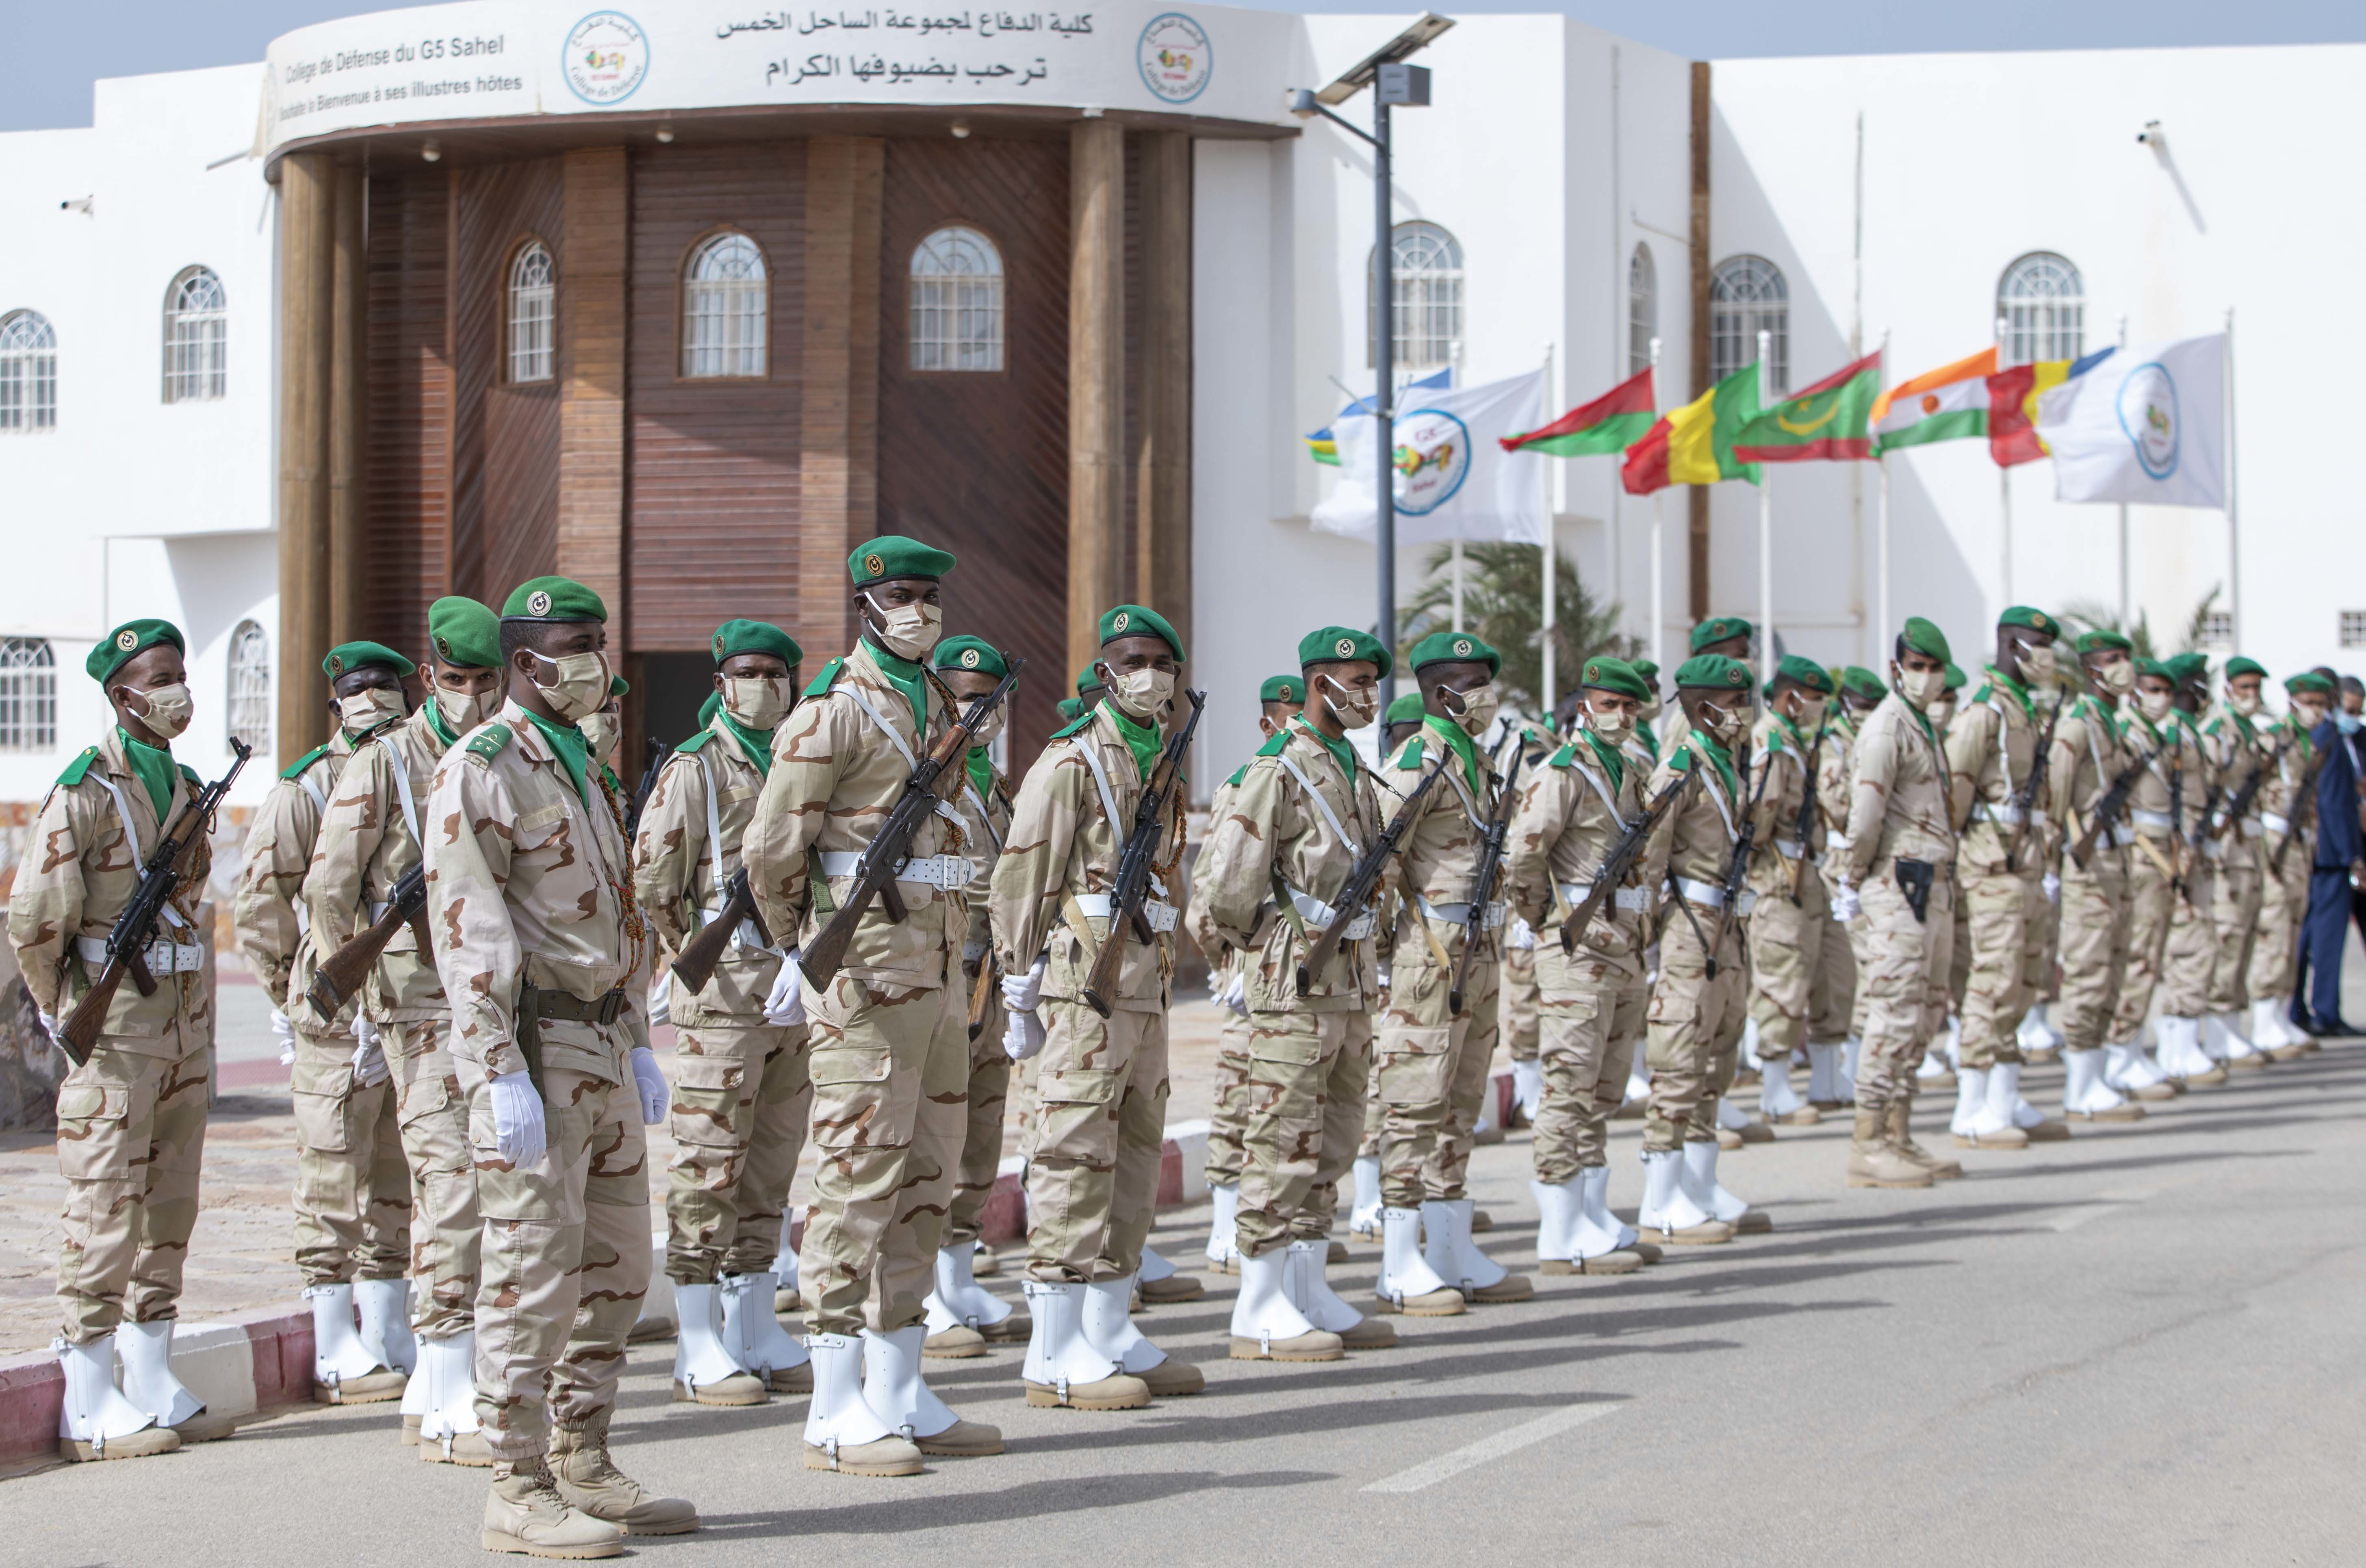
(528, 884)
(2238, 748)
(78, 872)
(1694, 841)
(679, 882)
(1065, 842)
(1269, 827)
(1571, 814)
(2088, 754)
(1991, 747)
(986, 818)
(1899, 801)
(2173, 781)
(835, 777)
(1775, 744)
(270, 911)
(1437, 858)
(367, 845)
(2293, 751)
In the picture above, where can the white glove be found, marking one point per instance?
(1845, 903)
(1235, 994)
(1521, 935)
(661, 999)
(281, 1029)
(650, 1082)
(1024, 993)
(1384, 977)
(786, 1004)
(49, 1026)
(1022, 1036)
(2053, 886)
(518, 1130)
(369, 1056)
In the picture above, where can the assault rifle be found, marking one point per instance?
(1482, 883)
(1736, 870)
(127, 944)
(2240, 806)
(2025, 799)
(341, 975)
(1620, 860)
(2108, 810)
(694, 964)
(1358, 890)
(655, 750)
(875, 874)
(1135, 863)
(2177, 819)
(2303, 801)
(1807, 817)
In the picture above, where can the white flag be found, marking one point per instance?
(2141, 424)
(1452, 480)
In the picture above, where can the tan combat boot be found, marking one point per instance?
(1874, 1162)
(590, 1482)
(525, 1513)
(1898, 1122)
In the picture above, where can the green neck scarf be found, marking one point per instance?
(1651, 737)
(756, 743)
(436, 717)
(155, 768)
(904, 676)
(1783, 722)
(574, 751)
(1142, 739)
(1699, 741)
(981, 773)
(1458, 743)
(1341, 751)
(2020, 692)
(1611, 764)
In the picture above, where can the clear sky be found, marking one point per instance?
(56, 50)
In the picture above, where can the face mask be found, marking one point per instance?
(601, 729)
(1354, 708)
(1724, 725)
(169, 709)
(2118, 678)
(369, 707)
(580, 687)
(1649, 710)
(2308, 716)
(1479, 706)
(2346, 721)
(1919, 687)
(2154, 705)
(2037, 665)
(1611, 726)
(760, 702)
(908, 631)
(2247, 706)
(463, 711)
(1941, 713)
(1811, 714)
(990, 725)
(1140, 694)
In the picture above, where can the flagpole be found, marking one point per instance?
(1765, 531)
(2004, 504)
(2127, 606)
(1457, 580)
(2233, 536)
(1544, 480)
(1659, 563)
(1881, 541)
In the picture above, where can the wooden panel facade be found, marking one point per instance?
(408, 406)
(595, 227)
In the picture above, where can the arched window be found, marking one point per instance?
(249, 710)
(533, 323)
(2040, 310)
(1642, 308)
(196, 338)
(1426, 298)
(29, 373)
(956, 302)
(28, 695)
(723, 301)
(1747, 296)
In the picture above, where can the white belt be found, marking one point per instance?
(1708, 895)
(944, 873)
(2249, 827)
(2276, 824)
(1634, 901)
(164, 957)
(2121, 838)
(1836, 843)
(1318, 915)
(2214, 849)
(2008, 815)
(1789, 848)
(2160, 819)
(1459, 914)
(1160, 916)
(378, 910)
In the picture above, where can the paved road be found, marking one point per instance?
(2141, 1347)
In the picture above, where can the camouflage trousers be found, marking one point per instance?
(2235, 897)
(1228, 1117)
(2045, 935)
(1100, 1122)
(2190, 957)
(1947, 989)
(1517, 994)
(566, 1259)
(1906, 963)
(982, 1136)
(1590, 1007)
(1801, 975)
(2001, 951)
(2095, 931)
(1694, 1028)
(353, 1187)
(131, 1138)
(742, 1094)
(447, 1233)
(1432, 1068)
(891, 1078)
(1307, 1077)
(2284, 904)
(2150, 911)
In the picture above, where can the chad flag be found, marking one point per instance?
(1694, 444)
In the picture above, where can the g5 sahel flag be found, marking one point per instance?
(1694, 444)
(2142, 424)
(1825, 424)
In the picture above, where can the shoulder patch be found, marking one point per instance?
(1410, 759)
(78, 767)
(490, 742)
(1274, 743)
(694, 742)
(1066, 730)
(304, 761)
(827, 679)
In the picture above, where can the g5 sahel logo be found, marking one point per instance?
(1432, 459)
(1175, 57)
(2148, 409)
(605, 57)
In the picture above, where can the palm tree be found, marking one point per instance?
(1501, 605)
(2093, 616)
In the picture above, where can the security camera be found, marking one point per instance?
(2152, 136)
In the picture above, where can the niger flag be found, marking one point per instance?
(1694, 444)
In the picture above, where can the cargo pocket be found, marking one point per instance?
(322, 1093)
(708, 1091)
(421, 1098)
(1413, 1064)
(1075, 1122)
(91, 1118)
(850, 1098)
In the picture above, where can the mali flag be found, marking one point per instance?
(1828, 423)
(1611, 423)
(1694, 444)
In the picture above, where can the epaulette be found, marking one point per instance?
(304, 761)
(1987, 690)
(191, 773)
(78, 767)
(2212, 728)
(1234, 781)
(1063, 733)
(694, 742)
(490, 741)
(827, 679)
(1273, 744)
(1562, 758)
(1409, 760)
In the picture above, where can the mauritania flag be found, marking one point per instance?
(1826, 423)
(1694, 444)
(1950, 403)
(1611, 423)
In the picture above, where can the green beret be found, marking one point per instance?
(2308, 681)
(1716, 671)
(348, 656)
(1925, 638)
(1071, 709)
(1862, 682)
(1719, 629)
(2104, 639)
(2154, 667)
(1326, 643)
(2188, 667)
(618, 686)
(553, 599)
(1283, 688)
(1647, 669)
(1608, 674)
(709, 708)
(2031, 620)
(1442, 647)
(1806, 671)
(108, 655)
(893, 555)
(1955, 677)
(1085, 682)
(1406, 709)
(465, 634)
(2238, 665)
(970, 655)
(1133, 620)
(755, 636)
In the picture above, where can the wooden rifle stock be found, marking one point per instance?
(981, 994)
(1617, 863)
(343, 972)
(694, 964)
(1358, 890)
